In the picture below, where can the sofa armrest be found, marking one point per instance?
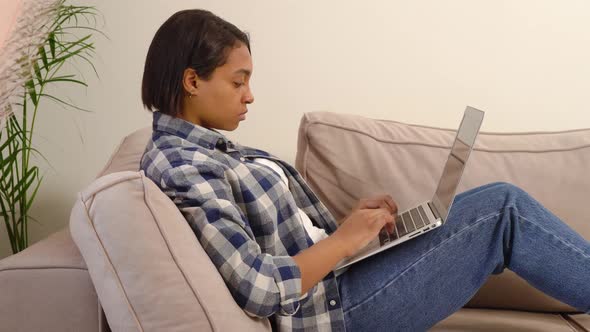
(46, 287)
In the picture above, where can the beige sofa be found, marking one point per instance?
(129, 258)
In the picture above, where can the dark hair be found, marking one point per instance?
(196, 39)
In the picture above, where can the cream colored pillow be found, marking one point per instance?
(347, 157)
(148, 268)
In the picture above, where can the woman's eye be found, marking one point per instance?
(238, 84)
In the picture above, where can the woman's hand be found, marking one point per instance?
(356, 231)
(381, 201)
(362, 226)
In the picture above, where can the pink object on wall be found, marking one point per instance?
(9, 10)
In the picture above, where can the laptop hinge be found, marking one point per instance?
(434, 210)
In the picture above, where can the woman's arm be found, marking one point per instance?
(261, 284)
(356, 231)
(318, 260)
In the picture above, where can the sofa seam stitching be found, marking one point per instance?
(119, 283)
(43, 268)
(123, 176)
(584, 146)
(483, 132)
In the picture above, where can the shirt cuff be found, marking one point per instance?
(288, 279)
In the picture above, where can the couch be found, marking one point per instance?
(128, 261)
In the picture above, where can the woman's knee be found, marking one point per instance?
(495, 189)
(492, 186)
(510, 193)
(507, 187)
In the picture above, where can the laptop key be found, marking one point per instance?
(408, 222)
(399, 225)
(423, 214)
(383, 236)
(417, 219)
(394, 235)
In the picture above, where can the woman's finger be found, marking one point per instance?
(391, 203)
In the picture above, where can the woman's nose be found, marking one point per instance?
(249, 97)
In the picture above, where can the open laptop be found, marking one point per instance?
(431, 214)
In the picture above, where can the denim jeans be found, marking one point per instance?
(416, 284)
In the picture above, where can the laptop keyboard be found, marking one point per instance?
(405, 223)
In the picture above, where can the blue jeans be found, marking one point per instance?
(413, 286)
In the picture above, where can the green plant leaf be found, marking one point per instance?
(32, 198)
(68, 53)
(37, 72)
(62, 79)
(43, 55)
(22, 186)
(7, 167)
(81, 27)
(91, 65)
(9, 140)
(65, 103)
(7, 164)
(30, 85)
(51, 40)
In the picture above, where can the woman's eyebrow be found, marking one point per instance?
(243, 71)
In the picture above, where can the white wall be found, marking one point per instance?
(526, 63)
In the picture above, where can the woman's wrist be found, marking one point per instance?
(340, 244)
(318, 260)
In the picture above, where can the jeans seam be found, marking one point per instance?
(475, 223)
(567, 243)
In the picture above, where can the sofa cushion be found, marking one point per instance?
(346, 157)
(582, 320)
(485, 320)
(148, 268)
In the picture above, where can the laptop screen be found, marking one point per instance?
(460, 150)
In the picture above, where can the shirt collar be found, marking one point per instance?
(205, 137)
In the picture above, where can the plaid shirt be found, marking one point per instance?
(247, 221)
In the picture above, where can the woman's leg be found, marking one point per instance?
(415, 285)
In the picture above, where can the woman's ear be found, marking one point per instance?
(189, 82)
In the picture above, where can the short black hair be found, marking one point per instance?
(196, 39)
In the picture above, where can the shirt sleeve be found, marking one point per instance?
(261, 284)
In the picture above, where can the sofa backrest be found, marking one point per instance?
(147, 266)
(128, 153)
(347, 157)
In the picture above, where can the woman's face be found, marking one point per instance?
(220, 102)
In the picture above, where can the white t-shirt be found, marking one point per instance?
(315, 233)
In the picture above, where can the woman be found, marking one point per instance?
(275, 244)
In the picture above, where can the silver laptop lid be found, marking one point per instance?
(460, 150)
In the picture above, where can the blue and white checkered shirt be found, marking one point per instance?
(247, 221)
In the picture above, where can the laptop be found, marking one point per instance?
(431, 214)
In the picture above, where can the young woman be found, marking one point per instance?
(275, 244)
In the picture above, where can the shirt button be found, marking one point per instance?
(332, 303)
(242, 158)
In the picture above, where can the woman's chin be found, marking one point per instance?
(231, 127)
